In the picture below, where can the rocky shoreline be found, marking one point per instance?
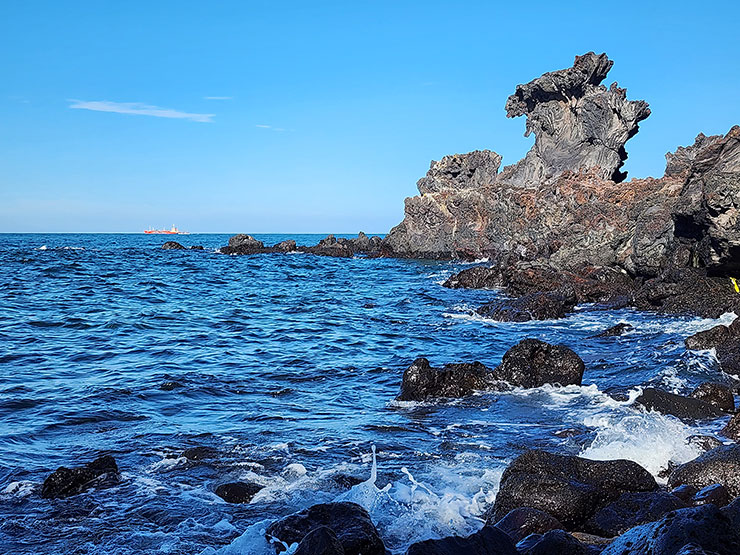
(563, 228)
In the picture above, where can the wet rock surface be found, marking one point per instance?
(350, 523)
(489, 540)
(320, 541)
(718, 466)
(615, 331)
(337, 247)
(676, 405)
(704, 527)
(237, 492)
(554, 541)
(65, 482)
(522, 522)
(533, 363)
(173, 246)
(632, 509)
(571, 489)
(534, 306)
(716, 394)
(421, 381)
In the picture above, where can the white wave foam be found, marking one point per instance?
(23, 488)
(648, 438)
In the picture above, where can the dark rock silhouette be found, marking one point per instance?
(522, 522)
(683, 407)
(350, 523)
(489, 540)
(65, 482)
(237, 492)
(533, 363)
(421, 381)
(632, 509)
(718, 466)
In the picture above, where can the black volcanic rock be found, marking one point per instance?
(632, 509)
(421, 381)
(320, 541)
(350, 523)
(173, 246)
(522, 522)
(65, 482)
(554, 541)
(535, 306)
(614, 331)
(676, 405)
(571, 489)
(704, 529)
(716, 394)
(533, 363)
(489, 540)
(237, 492)
(718, 466)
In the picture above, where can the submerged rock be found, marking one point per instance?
(616, 330)
(200, 453)
(718, 466)
(421, 381)
(708, 339)
(632, 509)
(243, 244)
(571, 489)
(350, 523)
(681, 531)
(533, 363)
(65, 482)
(237, 492)
(487, 541)
(676, 405)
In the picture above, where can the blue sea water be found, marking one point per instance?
(288, 365)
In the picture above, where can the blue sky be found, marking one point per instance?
(313, 117)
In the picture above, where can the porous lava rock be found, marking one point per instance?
(489, 540)
(350, 523)
(421, 381)
(534, 363)
(666, 402)
(571, 489)
(65, 482)
(721, 465)
(237, 492)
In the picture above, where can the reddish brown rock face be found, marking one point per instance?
(564, 204)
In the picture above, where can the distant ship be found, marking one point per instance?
(172, 231)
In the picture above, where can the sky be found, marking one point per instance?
(315, 117)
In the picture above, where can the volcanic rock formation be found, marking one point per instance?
(566, 203)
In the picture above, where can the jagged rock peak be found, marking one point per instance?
(461, 171)
(588, 71)
(579, 124)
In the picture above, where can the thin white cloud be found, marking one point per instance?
(138, 109)
(218, 97)
(261, 126)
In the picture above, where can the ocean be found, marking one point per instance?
(287, 366)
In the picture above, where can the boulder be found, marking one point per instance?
(173, 246)
(682, 407)
(616, 330)
(237, 492)
(534, 306)
(489, 540)
(554, 541)
(703, 527)
(533, 363)
(716, 394)
(708, 339)
(728, 355)
(715, 494)
(571, 489)
(632, 509)
(65, 482)
(732, 428)
(522, 522)
(243, 244)
(350, 523)
(718, 466)
(320, 541)
(422, 382)
(289, 245)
